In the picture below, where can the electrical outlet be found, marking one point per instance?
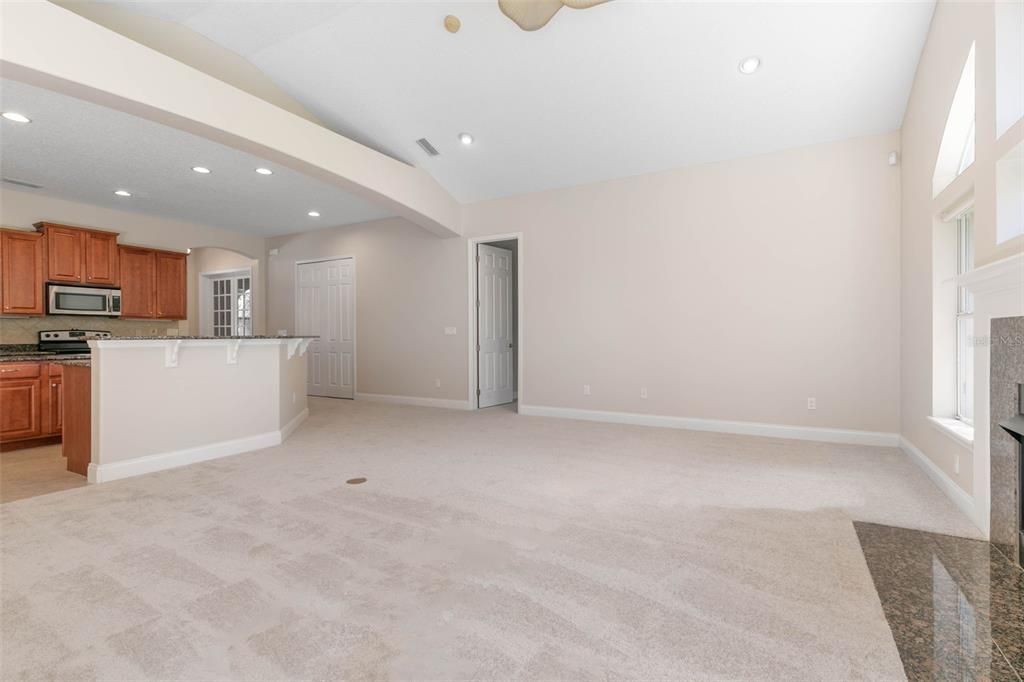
(437, 383)
(643, 393)
(812, 404)
(586, 389)
(282, 332)
(449, 331)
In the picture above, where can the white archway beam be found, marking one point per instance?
(46, 45)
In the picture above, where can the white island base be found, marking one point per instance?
(167, 402)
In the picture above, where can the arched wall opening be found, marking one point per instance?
(224, 273)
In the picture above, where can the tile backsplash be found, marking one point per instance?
(26, 329)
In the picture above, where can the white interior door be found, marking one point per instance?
(495, 345)
(325, 307)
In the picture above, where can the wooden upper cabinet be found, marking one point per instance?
(63, 254)
(21, 273)
(78, 255)
(171, 285)
(100, 258)
(138, 281)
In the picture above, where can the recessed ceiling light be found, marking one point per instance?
(314, 214)
(122, 193)
(264, 171)
(201, 169)
(465, 138)
(16, 117)
(749, 65)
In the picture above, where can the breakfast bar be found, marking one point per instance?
(188, 399)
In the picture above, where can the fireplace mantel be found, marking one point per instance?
(998, 290)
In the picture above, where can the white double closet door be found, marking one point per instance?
(326, 308)
(495, 343)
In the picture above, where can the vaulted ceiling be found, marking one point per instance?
(616, 90)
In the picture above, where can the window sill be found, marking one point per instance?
(955, 430)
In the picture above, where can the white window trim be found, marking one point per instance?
(960, 432)
(206, 293)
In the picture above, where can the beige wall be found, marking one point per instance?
(927, 361)
(730, 291)
(21, 209)
(210, 260)
(410, 285)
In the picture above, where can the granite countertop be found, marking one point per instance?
(42, 356)
(205, 338)
(74, 362)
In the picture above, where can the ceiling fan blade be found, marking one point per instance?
(530, 15)
(583, 4)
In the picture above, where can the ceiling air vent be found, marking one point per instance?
(21, 183)
(427, 147)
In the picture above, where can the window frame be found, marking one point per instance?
(964, 398)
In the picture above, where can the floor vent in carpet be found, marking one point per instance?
(355, 481)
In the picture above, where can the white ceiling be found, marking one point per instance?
(617, 90)
(82, 151)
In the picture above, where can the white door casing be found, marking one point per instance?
(495, 339)
(325, 307)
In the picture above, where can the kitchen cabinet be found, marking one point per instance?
(171, 285)
(53, 404)
(21, 273)
(99, 254)
(138, 282)
(21, 395)
(78, 255)
(153, 283)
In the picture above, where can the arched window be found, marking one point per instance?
(956, 152)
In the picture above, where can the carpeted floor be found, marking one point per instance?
(483, 545)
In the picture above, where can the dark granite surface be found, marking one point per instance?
(1006, 376)
(955, 606)
(42, 357)
(84, 362)
(204, 338)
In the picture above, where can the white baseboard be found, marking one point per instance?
(746, 428)
(413, 400)
(287, 429)
(103, 473)
(946, 484)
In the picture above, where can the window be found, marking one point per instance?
(230, 305)
(965, 321)
(956, 150)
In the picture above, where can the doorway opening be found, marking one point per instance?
(325, 307)
(495, 321)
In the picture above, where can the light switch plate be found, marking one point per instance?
(449, 331)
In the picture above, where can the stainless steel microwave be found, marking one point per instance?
(65, 300)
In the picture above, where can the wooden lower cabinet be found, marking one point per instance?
(54, 407)
(32, 395)
(21, 394)
(78, 418)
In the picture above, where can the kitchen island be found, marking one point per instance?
(163, 402)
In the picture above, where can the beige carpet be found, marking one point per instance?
(484, 545)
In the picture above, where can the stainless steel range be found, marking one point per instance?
(69, 340)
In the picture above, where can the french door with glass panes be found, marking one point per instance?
(230, 305)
